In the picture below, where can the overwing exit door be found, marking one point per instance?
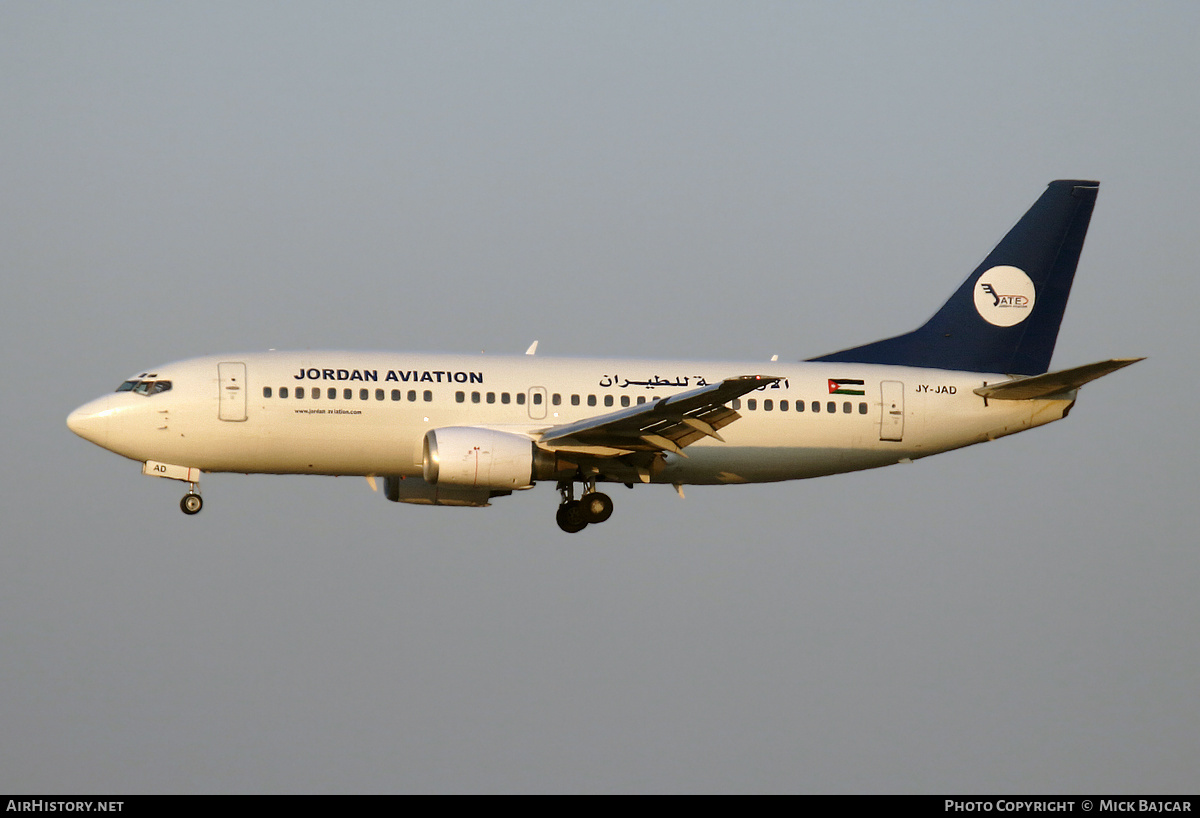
(537, 402)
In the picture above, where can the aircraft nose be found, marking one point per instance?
(91, 421)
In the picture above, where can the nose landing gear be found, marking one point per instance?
(574, 515)
(192, 502)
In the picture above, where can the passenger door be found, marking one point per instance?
(891, 422)
(232, 399)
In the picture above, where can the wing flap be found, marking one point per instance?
(1053, 383)
(668, 424)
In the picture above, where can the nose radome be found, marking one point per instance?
(90, 421)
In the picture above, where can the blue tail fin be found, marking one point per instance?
(1005, 316)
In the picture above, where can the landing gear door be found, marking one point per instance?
(891, 423)
(232, 399)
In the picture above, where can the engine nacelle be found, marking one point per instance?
(417, 491)
(472, 457)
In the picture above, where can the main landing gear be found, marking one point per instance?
(574, 515)
(192, 502)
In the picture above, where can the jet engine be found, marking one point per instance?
(471, 457)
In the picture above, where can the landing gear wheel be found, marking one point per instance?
(570, 517)
(191, 503)
(597, 507)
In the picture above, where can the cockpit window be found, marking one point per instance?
(144, 387)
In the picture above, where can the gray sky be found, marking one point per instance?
(697, 180)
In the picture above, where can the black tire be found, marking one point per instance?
(597, 507)
(570, 517)
(191, 503)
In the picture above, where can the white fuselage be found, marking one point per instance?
(366, 413)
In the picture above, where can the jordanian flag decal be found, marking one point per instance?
(845, 386)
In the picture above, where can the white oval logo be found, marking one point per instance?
(1004, 296)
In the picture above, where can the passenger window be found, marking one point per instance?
(624, 400)
(504, 397)
(537, 398)
(378, 394)
(608, 400)
(816, 406)
(831, 406)
(266, 391)
(316, 392)
(362, 394)
(460, 397)
(737, 403)
(491, 397)
(556, 399)
(396, 394)
(751, 404)
(520, 399)
(862, 408)
(591, 400)
(283, 393)
(641, 399)
(846, 407)
(574, 400)
(412, 396)
(768, 405)
(475, 397)
(428, 396)
(799, 406)
(332, 393)
(299, 392)
(783, 406)
(347, 394)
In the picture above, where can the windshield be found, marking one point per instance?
(144, 386)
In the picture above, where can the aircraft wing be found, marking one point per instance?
(667, 424)
(1053, 383)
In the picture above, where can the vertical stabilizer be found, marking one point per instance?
(1005, 316)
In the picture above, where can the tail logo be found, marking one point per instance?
(1004, 296)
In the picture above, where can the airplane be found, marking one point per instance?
(462, 430)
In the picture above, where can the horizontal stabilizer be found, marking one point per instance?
(1053, 383)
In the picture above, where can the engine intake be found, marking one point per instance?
(477, 458)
